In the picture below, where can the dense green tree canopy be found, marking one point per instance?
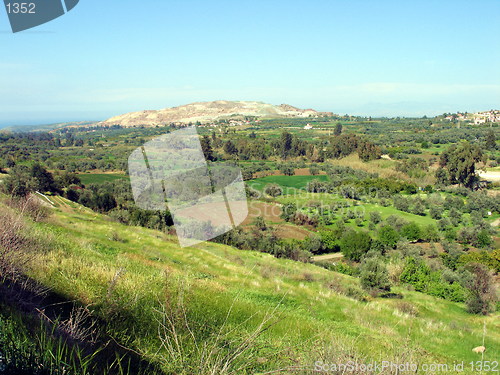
(459, 163)
(355, 244)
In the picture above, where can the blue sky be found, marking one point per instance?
(361, 57)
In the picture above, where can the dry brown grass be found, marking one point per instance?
(395, 270)
(18, 252)
(337, 285)
(15, 244)
(406, 308)
(30, 206)
(384, 168)
(292, 232)
(80, 326)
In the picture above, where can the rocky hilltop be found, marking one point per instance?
(206, 112)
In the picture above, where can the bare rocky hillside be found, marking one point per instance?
(206, 112)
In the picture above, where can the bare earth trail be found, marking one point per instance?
(334, 256)
(493, 176)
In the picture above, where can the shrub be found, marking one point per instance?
(345, 269)
(435, 200)
(288, 211)
(402, 204)
(314, 171)
(415, 273)
(466, 235)
(329, 240)
(455, 215)
(368, 151)
(436, 212)
(71, 194)
(407, 308)
(486, 258)
(313, 244)
(355, 293)
(374, 275)
(407, 249)
(115, 236)
(287, 169)
(349, 192)
(273, 190)
(355, 244)
(395, 269)
(388, 236)
(418, 207)
(411, 231)
(482, 297)
(452, 253)
(259, 223)
(395, 221)
(251, 193)
(430, 233)
(302, 219)
(121, 216)
(379, 246)
(423, 279)
(375, 217)
(309, 277)
(351, 291)
(483, 239)
(451, 292)
(474, 236)
(316, 186)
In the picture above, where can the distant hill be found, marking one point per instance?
(205, 112)
(44, 128)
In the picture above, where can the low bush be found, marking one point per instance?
(374, 275)
(407, 308)
(354, 244)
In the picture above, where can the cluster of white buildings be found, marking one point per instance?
(488, 116)
(476, 118)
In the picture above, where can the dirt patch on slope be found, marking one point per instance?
(270, 212)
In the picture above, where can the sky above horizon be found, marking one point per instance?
(361, 57)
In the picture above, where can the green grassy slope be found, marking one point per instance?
(125, 273)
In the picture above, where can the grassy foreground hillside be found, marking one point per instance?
(216, 309)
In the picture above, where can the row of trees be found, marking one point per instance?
(23, 180)
(289, 146)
